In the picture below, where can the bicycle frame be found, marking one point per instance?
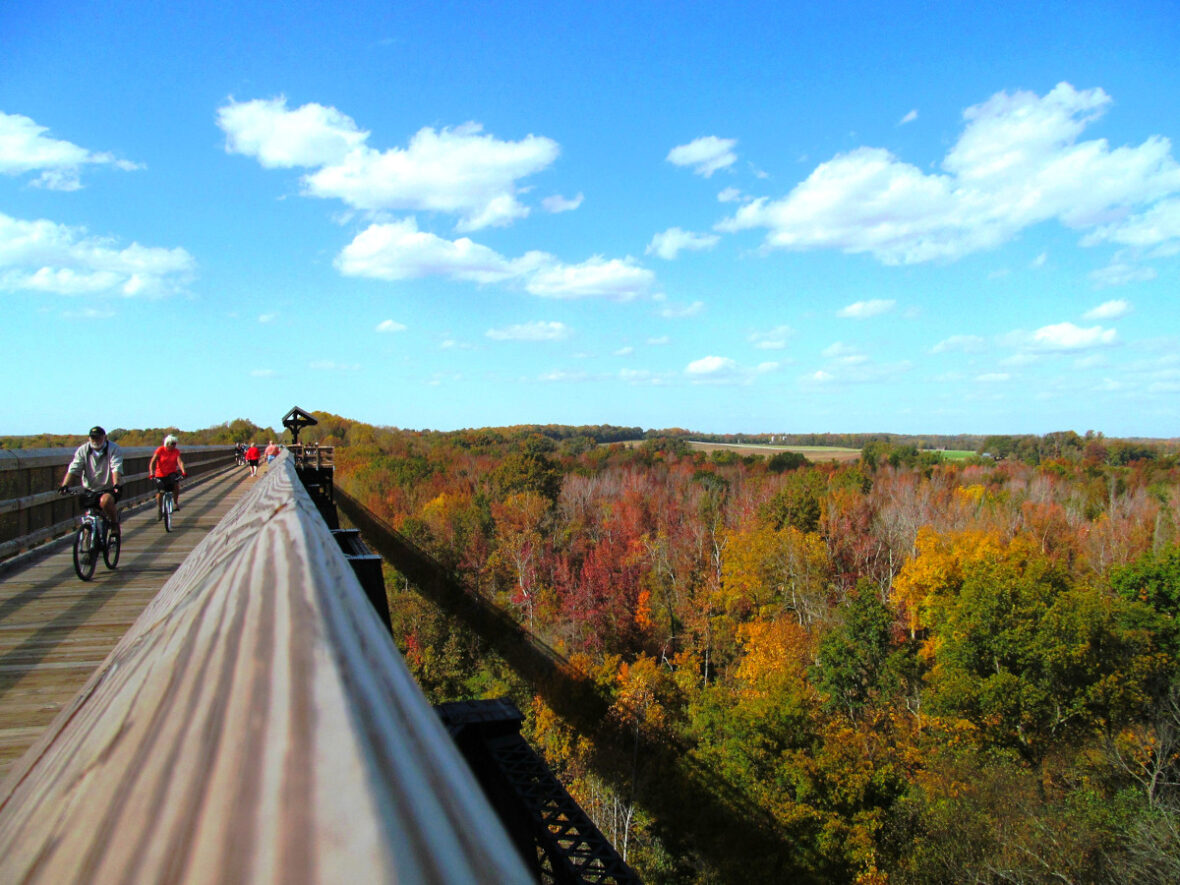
(94, 534)
(166, 488)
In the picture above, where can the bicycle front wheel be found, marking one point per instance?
(85, 556)
(110, 553)
(167, 511)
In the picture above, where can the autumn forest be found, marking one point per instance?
(892, 669)
(908, 670)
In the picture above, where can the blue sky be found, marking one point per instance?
(730, 217)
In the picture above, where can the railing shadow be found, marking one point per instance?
(698, 813)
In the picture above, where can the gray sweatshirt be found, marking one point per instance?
(96, 466)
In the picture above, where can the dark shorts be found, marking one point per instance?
(90, 500)
(165, 483)
(253, 462)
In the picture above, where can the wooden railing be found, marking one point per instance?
(256, 724)
(31, 511)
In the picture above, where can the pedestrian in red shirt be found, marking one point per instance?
(164, 468)
(252, 456)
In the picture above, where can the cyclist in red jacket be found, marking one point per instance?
(165, 464)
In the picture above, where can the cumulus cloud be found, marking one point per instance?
(25, 148)
(399, 250)
(863, 310)
(773, 339)
(959, 344)
(1067, 336)
(680, 311)
(717, 369)
(673, 241)
(1108, 310)
(558, 203)
(620, 279)
(390, 326)
(705, 155)
(536, 331)
(460, 170)
(1018, 162)
(1120, 273)
(43, 256)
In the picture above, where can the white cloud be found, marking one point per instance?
(1120, 273)
(535, 331)
(908, 118)
(24, 148)
(1067, 336)
(729, 195)
(624, 351)
(1108, 310)
(311, 135)
(993, 377)
(263, 373)
(862, 310)
(706, 155)
(959, 344)
(558, 203)
(459, 170)
(1018, 162)
(399, 251)
(561, 375)
(267, 318)
(840, 350)
(671, 242)
(773, 339)
(680, 311)
(619, 279)
(390, 326)
(715, 370)
(43, 256)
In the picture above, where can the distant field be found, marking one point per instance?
(956, 454)
(811, 453)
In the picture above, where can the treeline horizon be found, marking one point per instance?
(336, 430)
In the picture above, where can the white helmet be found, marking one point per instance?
(170, 440)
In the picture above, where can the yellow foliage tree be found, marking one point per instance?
(766, 571)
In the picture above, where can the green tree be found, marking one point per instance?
(1033, 662)
(858, 657)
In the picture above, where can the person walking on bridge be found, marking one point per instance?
(252, 459)
(99, 462)
(165, 464)
(271, 452)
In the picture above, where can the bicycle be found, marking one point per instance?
(94, 534)
(167, 484)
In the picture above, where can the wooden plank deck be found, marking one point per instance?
(55, 630)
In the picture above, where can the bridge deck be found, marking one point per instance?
(55, 629)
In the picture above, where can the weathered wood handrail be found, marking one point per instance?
(256, 724)
(31, 511)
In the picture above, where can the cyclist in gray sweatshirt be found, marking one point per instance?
(100, 464)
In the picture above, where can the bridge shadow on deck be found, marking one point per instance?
(697, 813)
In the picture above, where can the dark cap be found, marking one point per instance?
(96, 431)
